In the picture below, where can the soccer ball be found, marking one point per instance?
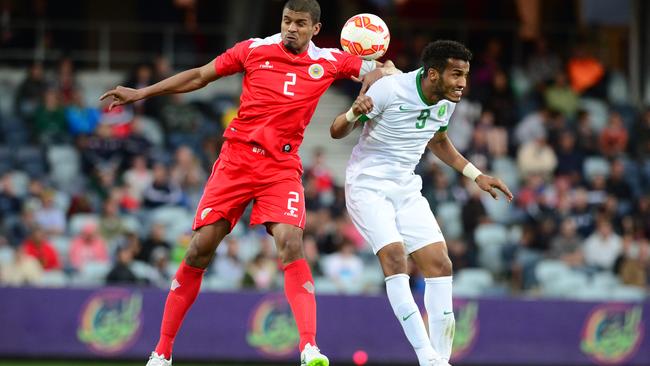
(365, 35)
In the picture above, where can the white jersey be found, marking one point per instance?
(397, 130)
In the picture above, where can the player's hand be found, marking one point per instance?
(121, 95)
(362, 105)
(491, 184)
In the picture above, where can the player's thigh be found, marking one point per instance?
(417, 224)
(226, 194)
(282, 201)
(373, 215)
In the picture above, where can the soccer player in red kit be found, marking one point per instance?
(284, 76)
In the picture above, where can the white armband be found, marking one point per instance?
(350, 117)
(471, 172)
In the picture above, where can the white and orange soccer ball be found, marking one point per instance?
(365, 35)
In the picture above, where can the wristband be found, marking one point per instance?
(471, 172)
(350, 117)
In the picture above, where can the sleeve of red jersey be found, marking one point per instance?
(348, 65)
(232, 61)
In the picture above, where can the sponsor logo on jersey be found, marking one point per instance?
(272, 329)
(266, 65)
(404, 108)
(110, 321)
(316, 71)
(613, 333)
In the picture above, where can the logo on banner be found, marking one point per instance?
(110, 321)
(272, 328)
(467, 325)
(612, 333)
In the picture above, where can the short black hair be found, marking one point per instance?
(305, 6)
(436, 54)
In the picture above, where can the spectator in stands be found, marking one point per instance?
(532, 125)
(188, 173)
(603, 247)
(155, 240)
(344, 268)
(121, 273)
(617, 184)
(100, 149)
(10, 203)
(30, 92)
(536, 157)
(543, 63)
(180, 121)
(139, 177)
(261, 273)
(614, 137)
(633, 265)
(228, 265)
(567, 245)
(582, 213)
(50, 217)
(142, 77)
(24, 269)
(37, 246)
(586, 135)
(66, 81)
(50, 125)
(560, 97)
(642, 137)
(569, 158)
(160, 262)
(501, 101)
(88, 246)
(82, 120)
(311, 255)
(111, 224)
(162, 191)
(321, 173)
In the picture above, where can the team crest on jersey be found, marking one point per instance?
(442, 111)
(316, 71)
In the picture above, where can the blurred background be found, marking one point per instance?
(96, 206)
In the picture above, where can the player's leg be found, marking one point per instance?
(420, 229)
(187, 282)
(392, 258)
(280, 205)
(224, 199)
(374, 216)
(434, 263)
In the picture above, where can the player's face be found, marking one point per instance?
(297, 29)
(453, 80)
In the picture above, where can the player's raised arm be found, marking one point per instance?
(442, 147)
(182, 82)
(346, 122)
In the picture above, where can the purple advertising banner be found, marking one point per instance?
(117, 323)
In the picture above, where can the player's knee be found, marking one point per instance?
(393, 260)
(291, 250)
(439, 267)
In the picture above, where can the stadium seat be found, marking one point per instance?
(151, 130)
(594, 166)
(6, 159)
(77, 221)
(53, 279)
(566, 285)
(91, 274)
(476, 277)
(177, 220)
(549, 270)
(64, 161)
(30, 160)
(598, 112)
(506, 169)
(498, 210)
(490, 239)
(628, 293)
(20, 182)
(448, 215)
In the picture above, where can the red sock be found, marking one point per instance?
(185, 288)
(299, 289)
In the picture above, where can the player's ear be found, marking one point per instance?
(433, 74)
(317, 27)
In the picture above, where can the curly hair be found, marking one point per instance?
(436, 54)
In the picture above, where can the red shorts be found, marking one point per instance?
(244, 173)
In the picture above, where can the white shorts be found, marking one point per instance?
(387, 211)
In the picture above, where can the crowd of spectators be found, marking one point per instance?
(90, 196)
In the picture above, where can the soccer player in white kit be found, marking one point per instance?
(402, 115)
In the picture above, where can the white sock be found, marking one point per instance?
(408, 315)
(437, 301)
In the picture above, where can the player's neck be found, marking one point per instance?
(427, 91)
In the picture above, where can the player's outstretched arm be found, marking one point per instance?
(346, 122)
(442, 147)
(182, 82)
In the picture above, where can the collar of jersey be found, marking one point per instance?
(291, 54)
(418, 84)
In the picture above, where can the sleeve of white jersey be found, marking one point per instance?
(381, 93)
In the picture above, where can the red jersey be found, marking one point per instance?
(280, 91)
